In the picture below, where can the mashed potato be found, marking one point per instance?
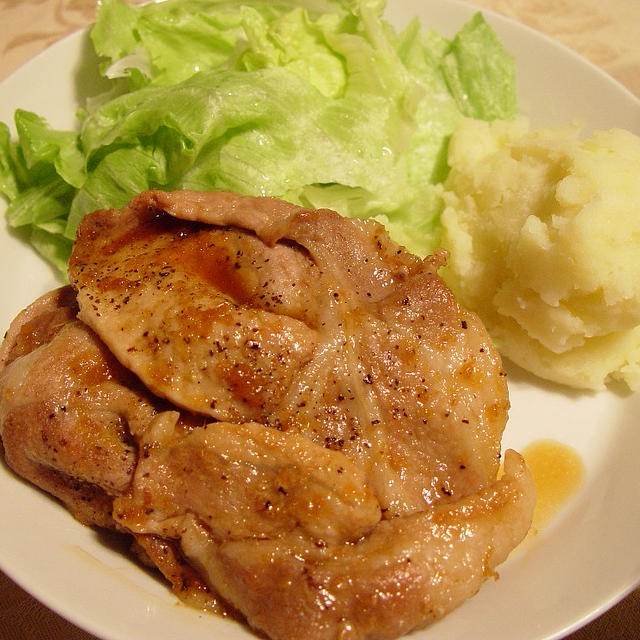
(543, 230)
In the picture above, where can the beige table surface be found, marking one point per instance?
(607, 33)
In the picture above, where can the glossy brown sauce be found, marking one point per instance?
(558, 473)
(212, 255)
(209, 252)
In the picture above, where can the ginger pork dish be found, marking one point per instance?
(288, 412)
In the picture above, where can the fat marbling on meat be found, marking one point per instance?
(343, 480)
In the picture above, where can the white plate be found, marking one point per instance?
(583, 562)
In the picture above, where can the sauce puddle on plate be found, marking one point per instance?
(558, 472)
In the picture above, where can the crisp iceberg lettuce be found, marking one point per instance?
(320, 102)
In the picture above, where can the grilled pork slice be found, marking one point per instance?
(319, 568)
(254, 310)
(66, 407)
(68, 415)
(301, 412)
(407, 572)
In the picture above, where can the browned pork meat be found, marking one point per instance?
(341, 479)
(66, 407)
(248, 309)
(68, 410)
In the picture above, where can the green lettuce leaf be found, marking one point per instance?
(479, 73)
(320, 102)
(8, 169)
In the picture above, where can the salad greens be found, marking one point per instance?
(320, 102)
